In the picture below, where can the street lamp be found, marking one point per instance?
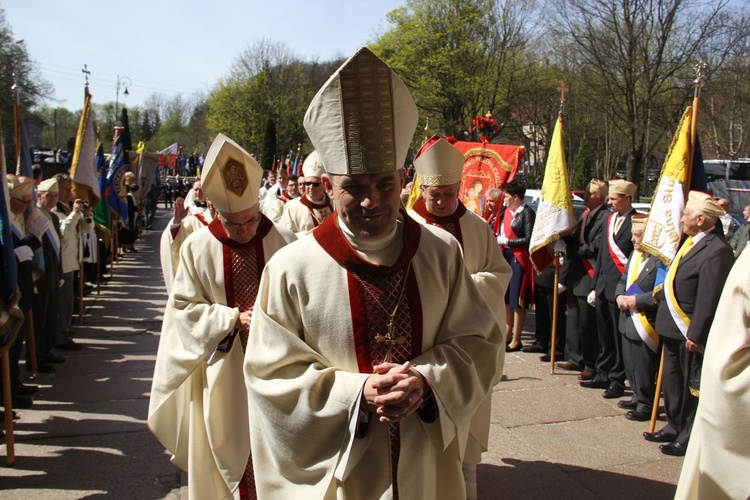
(125, 82)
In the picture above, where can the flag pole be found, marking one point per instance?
(700, 70)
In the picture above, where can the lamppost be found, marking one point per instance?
(125, 82)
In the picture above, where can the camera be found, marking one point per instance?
(86, 204)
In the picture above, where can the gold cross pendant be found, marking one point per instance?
(390, 339)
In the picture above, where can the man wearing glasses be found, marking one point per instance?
(198, 398)
(314, 206)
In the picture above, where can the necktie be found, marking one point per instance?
(618, 223)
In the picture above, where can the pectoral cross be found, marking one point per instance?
(390, 339)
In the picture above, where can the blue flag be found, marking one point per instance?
(114, 180)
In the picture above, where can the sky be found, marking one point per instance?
(176, 47)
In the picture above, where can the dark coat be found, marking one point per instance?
(607, 275)
(522, 225)
(700, 278)
(578, 279)
(644, 302)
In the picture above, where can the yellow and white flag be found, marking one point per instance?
(83, 167)
(662, 235)
(554, 217)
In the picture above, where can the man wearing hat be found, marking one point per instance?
(692, 288)
(315, 205)
(640, 343)
(198, 407)
(46, 310)
(581, 337)
(373, 347)
(27, 229)
(611, 262)
(439, 166)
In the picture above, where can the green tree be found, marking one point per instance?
(581, 165)
(127, 139)
(269, 145)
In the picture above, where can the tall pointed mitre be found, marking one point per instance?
(231, 177)
(439, 164)
(313, 167)
(363, 119)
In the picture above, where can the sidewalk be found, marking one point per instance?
(85, 436)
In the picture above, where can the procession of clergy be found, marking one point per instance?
(321, 342)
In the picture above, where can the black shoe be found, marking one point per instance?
(659, 436)
(627, 405)
(546, 357)
(673, 449)
(614, 391)
(508, 348)
(638, 416)
(45, 368)
(595, 384)
(22, 402)
(53, 359)
(70, 345)
(535, 347)
(26, 390)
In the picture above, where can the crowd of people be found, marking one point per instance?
(357, 343)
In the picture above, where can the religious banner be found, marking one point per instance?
(486, 166)
(147, 165)
(83, 166)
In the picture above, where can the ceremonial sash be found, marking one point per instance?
(619, 258)
(202, 219)
(311, 207)
(679, 316)
(522, 256)
(643, 327)
(588, 264)
(54, 241)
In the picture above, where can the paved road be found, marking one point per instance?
(86, 437)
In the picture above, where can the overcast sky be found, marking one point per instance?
(173, 47)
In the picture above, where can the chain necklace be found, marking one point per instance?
(389, 338)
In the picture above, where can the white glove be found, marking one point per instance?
(502, 240)
(24, 253)
(60, 283)
(37, 226)
(561, 288)
(560, 246)
(591, 299)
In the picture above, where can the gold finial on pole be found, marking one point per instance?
(563, 89)
(86, 74)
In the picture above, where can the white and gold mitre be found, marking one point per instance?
(363, 119)
(231, 177)
(312, 166)
(439, 164)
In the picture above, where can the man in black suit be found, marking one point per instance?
(635, 298)
(610, 266)
(582, 342)
(691, 293)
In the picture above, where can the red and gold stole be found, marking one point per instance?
(324, 210)
(449, 222)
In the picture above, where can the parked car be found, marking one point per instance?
(531, 198)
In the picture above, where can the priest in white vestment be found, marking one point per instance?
(198, 407)
(314, 206)
(439, 167)
(718, 456)
(371, 346)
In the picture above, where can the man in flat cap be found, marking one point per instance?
(439, 167)
(692, 288)
(198, 406)
(635, 298)
(372, 346)
(315, 205)
(614, 250)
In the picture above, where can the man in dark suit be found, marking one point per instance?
(610, 266)
(582, 342)
(635, 298)
(691, 293)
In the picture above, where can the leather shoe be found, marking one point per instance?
(638, 416)
(508, 348)
(568, 365)
(26, 390)
(70, 345)
(535, 347)
(659, 436)
(546, 357)
(627, 405)
(614, 391)
(587, 375)
(673, 449)
(595, 384)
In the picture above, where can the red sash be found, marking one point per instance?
(522, 256)
(617, 256)
(202, 219)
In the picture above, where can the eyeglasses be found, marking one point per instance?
(25, 202)
(313, 184)
(248, 222)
